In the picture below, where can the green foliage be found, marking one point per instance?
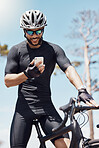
(4, 50)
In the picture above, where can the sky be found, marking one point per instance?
(59, 15)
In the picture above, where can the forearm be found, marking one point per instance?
(14, 79)
(73, 77)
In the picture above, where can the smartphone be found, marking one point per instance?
(38, 59)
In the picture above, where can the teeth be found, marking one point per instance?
(34, 39)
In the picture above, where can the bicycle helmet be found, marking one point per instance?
(33, 19)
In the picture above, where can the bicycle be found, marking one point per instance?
(77, 139)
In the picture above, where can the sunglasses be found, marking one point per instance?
(38, 32)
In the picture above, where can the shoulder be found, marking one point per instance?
(15, 49)
(55, 47)
(20, 45)
(52, 44)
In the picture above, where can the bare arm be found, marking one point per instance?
(73, 77)
(14, 79)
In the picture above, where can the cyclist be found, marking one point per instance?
(34, 95)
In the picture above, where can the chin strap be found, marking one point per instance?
(39, 43)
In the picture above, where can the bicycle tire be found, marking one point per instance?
(93, 144)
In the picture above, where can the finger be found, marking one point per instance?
(94, 103)
(78, 103)
(89, 104)
(41, 69)
(32, 62)
(37, 65)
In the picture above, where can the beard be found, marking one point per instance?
(39, 41)
(35, 44)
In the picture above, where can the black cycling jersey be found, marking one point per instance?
(34, 95)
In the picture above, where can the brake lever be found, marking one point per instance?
(68, 106)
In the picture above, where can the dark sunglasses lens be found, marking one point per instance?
(38, 32)
(30, 32)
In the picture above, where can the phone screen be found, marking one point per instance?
(38, 59)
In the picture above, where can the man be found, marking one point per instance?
(34, 96)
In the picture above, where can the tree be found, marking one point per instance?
(4, 50)
(86, 28)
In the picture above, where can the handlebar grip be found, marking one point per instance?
(67, 107)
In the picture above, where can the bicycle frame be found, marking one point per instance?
(77, 138)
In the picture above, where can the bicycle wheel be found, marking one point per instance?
(93, 144)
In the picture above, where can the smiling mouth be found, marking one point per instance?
(34, 39)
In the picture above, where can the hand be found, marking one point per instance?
(84, 96)
(33, 71)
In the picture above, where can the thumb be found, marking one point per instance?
(78, 101)
(32, 62)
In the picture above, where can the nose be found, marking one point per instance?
(34, 35)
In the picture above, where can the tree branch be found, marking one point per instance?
(93, 40)
(88, 32)
(81, 32)
(94, 88)
(92, 54)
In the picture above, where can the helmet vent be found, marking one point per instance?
(40, 22)
(27, 17)
(32, 18)
(26, 22)
(23, 17)
(41, 15)
(38, 15)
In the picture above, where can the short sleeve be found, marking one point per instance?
(12, 61)
(62, 59)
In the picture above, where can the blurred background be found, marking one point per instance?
(73, 25)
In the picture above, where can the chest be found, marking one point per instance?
(26, 56)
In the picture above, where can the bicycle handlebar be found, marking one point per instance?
(82, 108)
(72, 109)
